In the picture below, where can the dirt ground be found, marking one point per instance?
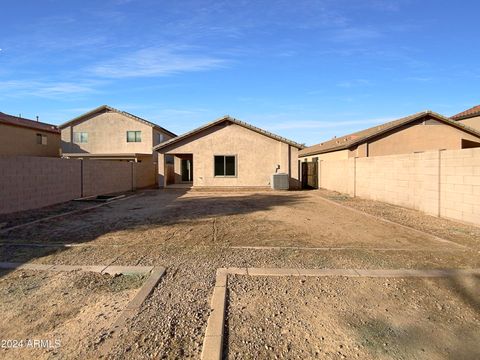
(73, 311)
(341, 317)
(192, 234)
(447, 229)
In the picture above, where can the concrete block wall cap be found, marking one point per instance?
(212, 348)
(217, 315)
(272, 272)
(127, 270)
(237, 270)
(90, 268)
(221, 278)
(327, 272)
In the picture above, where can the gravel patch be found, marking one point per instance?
(339, 317)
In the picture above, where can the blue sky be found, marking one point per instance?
(307, 70)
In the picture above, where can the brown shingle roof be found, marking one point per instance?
(359, 137)
(109, 108)
(31, 124)
(474, 111)
(234, 121)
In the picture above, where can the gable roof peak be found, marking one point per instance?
(363, 136)
(124, 113)
(234, 121)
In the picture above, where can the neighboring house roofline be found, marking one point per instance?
(469, 113)
(101, 155)
(27, 123)
(232, 120)
(109, 108)
(348, 141)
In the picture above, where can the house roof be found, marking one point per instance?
(232, 120)
(474, 111)
(31, 124)
(109, 108)
(359, 137)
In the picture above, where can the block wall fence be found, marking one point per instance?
(29, 182)
(443, 183)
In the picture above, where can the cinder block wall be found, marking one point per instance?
(31, 182)
(440, 183)
(333, 175)
(145, 172)
(460, 185)
(104, 177)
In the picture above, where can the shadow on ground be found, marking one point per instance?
(154, 209)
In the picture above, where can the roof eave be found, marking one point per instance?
(232, 120)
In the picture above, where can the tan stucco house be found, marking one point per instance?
(227, 153)
(106, 133)
(19, 136)
(470, 117)
(419, 132)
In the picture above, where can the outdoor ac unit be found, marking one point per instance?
(280, 181)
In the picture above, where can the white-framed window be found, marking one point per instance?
(225, 165)
(41, 139)
(134, 136)
(80, 137)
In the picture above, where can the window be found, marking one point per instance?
(41, 139)
(80, 137)
(134, 136)
(160, 138)
(225, 165)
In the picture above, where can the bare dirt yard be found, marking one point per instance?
(192, 234)
(353, 318)
(69, 312)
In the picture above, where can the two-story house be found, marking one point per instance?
(19, 136)
(106, 133)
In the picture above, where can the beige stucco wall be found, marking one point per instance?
(107, 134)
(440, 183)
(15, 140)
(257, 157)
(473, 122)
(419, 137)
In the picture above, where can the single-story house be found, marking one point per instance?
(227, 153)
(19, 136)
(106, 133)
(470, 117)
(423, 131)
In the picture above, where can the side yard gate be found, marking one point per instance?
(310, 175)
